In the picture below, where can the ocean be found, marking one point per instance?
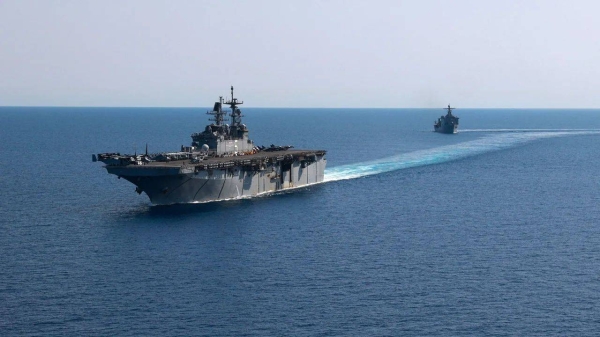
(489, 232)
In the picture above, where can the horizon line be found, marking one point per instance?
(278, 107)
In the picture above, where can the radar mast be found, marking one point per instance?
(218, 113)
(236, 114)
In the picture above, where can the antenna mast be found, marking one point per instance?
(236, 114)
(217, 112)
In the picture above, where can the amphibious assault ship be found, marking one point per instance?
(447, 123)
(221, 163)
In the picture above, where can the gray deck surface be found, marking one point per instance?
(213, 160)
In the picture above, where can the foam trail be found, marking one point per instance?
(529, 130)
(497, 141)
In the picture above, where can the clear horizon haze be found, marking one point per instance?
(380, 54)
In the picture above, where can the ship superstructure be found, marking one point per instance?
(447, 123)
(221, 163)
(222, 138)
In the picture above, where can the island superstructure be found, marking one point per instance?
(447, 123)
(221, 163)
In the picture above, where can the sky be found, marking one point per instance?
(355, 54)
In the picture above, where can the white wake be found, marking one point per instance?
(500, 139)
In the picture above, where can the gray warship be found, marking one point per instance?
(221, 163)
(447, 123)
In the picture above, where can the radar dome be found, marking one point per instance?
(205, 147)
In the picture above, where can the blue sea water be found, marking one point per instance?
(492, 231)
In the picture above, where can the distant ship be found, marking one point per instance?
(221, 163)
(447, 123)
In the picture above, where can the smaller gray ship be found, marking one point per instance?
(447, 123)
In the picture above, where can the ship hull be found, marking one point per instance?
(448, 129)
(169, 185)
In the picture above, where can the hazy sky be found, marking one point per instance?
(416, 53)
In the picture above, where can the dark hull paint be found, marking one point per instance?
(448, 129)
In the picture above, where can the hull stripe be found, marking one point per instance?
(180, 185)
(221, 191)
(200, 189)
